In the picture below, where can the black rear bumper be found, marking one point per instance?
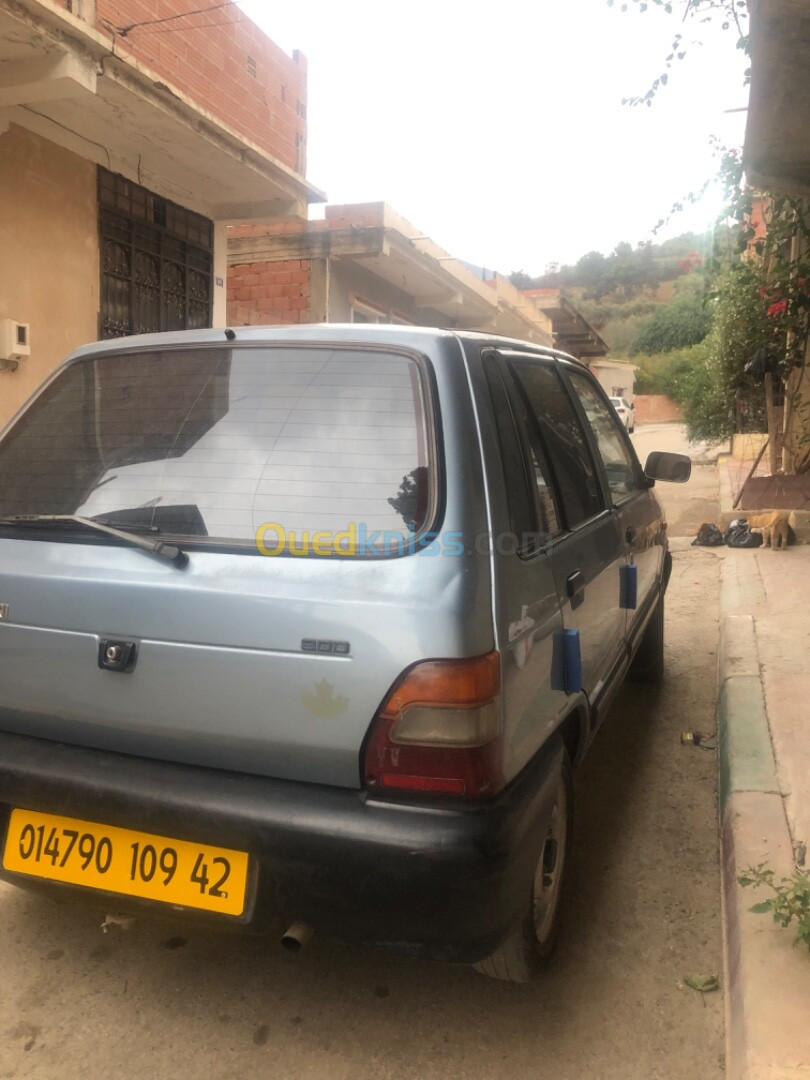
(439, 881)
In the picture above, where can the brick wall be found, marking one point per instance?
(336, 218)
(349, 216)
(656, 409)
(224, 63)
(264, 293)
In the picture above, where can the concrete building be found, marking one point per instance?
(131, 135)
(365, 263)
(616, 377)
(570, 329)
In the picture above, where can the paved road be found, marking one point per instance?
(673, 437)
(164, 1001)
(687, 505)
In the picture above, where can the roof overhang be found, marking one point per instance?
(390, 248)
(611, 364)
(62, 80)
(777, 137)
(436, 282)
(571, 330)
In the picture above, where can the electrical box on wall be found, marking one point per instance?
(15, 342)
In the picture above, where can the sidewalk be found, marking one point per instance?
(764, 726)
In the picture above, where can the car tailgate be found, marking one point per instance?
(222, 676)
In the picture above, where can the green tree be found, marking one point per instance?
(680, 324)
(521, 280)
(663, 373)
(717, 396)
(589, 271)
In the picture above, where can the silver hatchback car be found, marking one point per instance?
(308, 627)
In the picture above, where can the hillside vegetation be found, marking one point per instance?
(690, 313)
(648, 303)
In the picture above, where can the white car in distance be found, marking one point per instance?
(625, 411)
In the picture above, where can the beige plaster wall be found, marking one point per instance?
(49, 256)
(617, 380)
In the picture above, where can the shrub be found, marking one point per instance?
(711, 384)
(680, 324)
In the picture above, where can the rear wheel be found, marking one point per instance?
(531, 944)
(648, 663)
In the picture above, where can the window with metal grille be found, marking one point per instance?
(156, 261)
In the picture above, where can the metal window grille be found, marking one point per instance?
(156, 262)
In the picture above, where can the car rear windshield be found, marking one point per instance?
(222, 445)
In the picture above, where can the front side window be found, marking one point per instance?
(556, 425)
(616, 457)
(211, 444)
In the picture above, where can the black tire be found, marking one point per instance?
(530, 946)
(647, 665)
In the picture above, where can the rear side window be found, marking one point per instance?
(213, 444)
(555, 422)
(516, 479)
(532, 510)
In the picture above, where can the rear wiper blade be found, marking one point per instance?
(170, 552)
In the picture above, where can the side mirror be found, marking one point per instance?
(674, 468)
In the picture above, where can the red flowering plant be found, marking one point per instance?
(774, 229)
(759, 302)
(760, 298)
(784, 251)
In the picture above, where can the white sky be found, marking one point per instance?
(497, 128)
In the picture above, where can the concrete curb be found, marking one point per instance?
(767, 980)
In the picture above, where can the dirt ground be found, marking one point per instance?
(160, 1000)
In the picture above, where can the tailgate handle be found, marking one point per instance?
(575, 586)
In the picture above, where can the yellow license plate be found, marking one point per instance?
(127, 862)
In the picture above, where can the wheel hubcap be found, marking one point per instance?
(549, 872)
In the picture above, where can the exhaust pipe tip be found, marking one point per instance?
(296, 937)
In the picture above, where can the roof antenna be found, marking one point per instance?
(230, 334)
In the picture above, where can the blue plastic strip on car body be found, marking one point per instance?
(566, 662)
(628, 587)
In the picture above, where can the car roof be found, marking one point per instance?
(312, 333)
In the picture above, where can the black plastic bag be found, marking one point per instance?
(738, 535)
(708, 536)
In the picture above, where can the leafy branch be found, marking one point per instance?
(776, 228)
(790, 902)
(734, 13)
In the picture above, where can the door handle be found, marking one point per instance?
(630, 534)
(575, 585)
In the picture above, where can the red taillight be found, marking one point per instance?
(438, 730)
